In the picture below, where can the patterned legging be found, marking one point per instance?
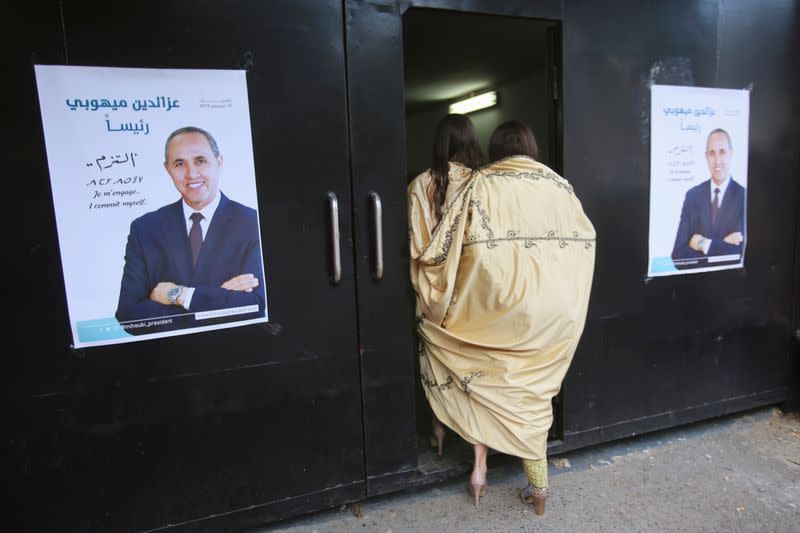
(536, 470)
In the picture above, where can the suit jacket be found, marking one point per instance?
(158, 250)
(696, 219)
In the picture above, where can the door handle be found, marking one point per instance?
(336, 253)
(377, 230)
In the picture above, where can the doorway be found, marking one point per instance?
(450, 56)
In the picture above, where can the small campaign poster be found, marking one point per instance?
(698, 179)
(154, 191)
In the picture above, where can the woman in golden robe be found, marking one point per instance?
(502, 283)
(456, 152)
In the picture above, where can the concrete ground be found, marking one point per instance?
(738, 473)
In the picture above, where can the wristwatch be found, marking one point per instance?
(173, 293)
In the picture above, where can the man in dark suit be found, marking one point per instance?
(201, 253)
(712, 227)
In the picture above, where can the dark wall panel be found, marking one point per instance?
(262, 423)
(672, 345)
(167, 431)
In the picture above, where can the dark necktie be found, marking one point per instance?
(715, 206)
(196, 236)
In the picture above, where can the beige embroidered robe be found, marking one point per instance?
(502, 286)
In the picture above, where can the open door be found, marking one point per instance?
(405, 66)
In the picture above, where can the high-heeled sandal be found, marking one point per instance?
(477, 489)
(535, 495)
(437, 435)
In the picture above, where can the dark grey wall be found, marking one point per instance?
(662, 351)
(156, 433)
(655, 352)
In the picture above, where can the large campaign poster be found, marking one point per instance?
(154, 191)
(698, 179)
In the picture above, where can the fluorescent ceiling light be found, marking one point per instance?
(473, 103)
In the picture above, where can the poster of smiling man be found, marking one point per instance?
(154, 191)
(698, 179)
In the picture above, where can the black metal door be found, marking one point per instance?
(261, 419)
(374, 34)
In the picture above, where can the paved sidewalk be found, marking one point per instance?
(738, 473)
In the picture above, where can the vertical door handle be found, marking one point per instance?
(336, 253)
(377, 228)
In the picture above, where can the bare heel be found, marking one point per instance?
(477, 487)
(478, 491)
(437, 435)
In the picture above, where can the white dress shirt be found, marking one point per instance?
(208, 213)
(722, 188)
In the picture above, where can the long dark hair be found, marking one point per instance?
(512, 138)
(456, 140)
